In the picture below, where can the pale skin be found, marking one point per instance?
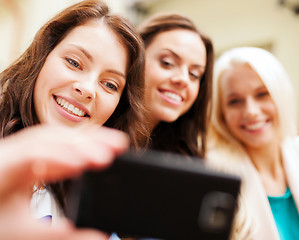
(79, 86)
(175, 62)
(82, 81)
(251, 116)
(32, 155)
(77, 90)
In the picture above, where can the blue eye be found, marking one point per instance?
(73, 62)
(111, 86)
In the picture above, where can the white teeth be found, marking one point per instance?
(66, 105)
(255, 126)
(173, 96)
(76, 111)
(69, 107)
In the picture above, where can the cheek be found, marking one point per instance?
(148, 72)
(151, 85)
(152, 78)
(194, 91)
(272, 110)
(149, 81)
(40, 86)
(48, 76)
(105, 107)
(155, 74)
(231, 118)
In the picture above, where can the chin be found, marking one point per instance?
(170, 120)
(259, 144)
(166, 116)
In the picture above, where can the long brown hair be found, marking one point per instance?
(182, 135)
(18, 80)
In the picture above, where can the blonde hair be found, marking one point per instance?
(226, 159)
(225, 152)
(273, 75)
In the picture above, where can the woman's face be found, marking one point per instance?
(248, 109)
(83, 77)
(175, 63)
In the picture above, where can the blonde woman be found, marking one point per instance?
(253, 133)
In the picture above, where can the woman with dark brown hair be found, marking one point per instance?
(178, 78)
(84, 66)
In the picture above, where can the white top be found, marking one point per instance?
(44, 204)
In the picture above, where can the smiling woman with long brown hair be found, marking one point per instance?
(178, 79)
(84, 66)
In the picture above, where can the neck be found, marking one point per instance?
(268, 162)
(266, 157)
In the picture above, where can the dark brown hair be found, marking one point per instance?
(182, 135)
(17, 108)
(18, 80)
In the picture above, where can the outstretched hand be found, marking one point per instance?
(48, 153)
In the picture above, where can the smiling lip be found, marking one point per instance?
(171, 96)
(70, 109)
(255, 127)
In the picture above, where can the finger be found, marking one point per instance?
(100, 158)
(116, 139)
(31, 230)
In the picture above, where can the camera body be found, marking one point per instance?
(156, 195)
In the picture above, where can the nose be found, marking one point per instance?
(181, 77)
(252, 108)
(85, 88)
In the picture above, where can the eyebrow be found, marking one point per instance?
(235, 94)
(117, 73)
(262, 88)
(178, 57)
(86, 53)
(232, 95)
